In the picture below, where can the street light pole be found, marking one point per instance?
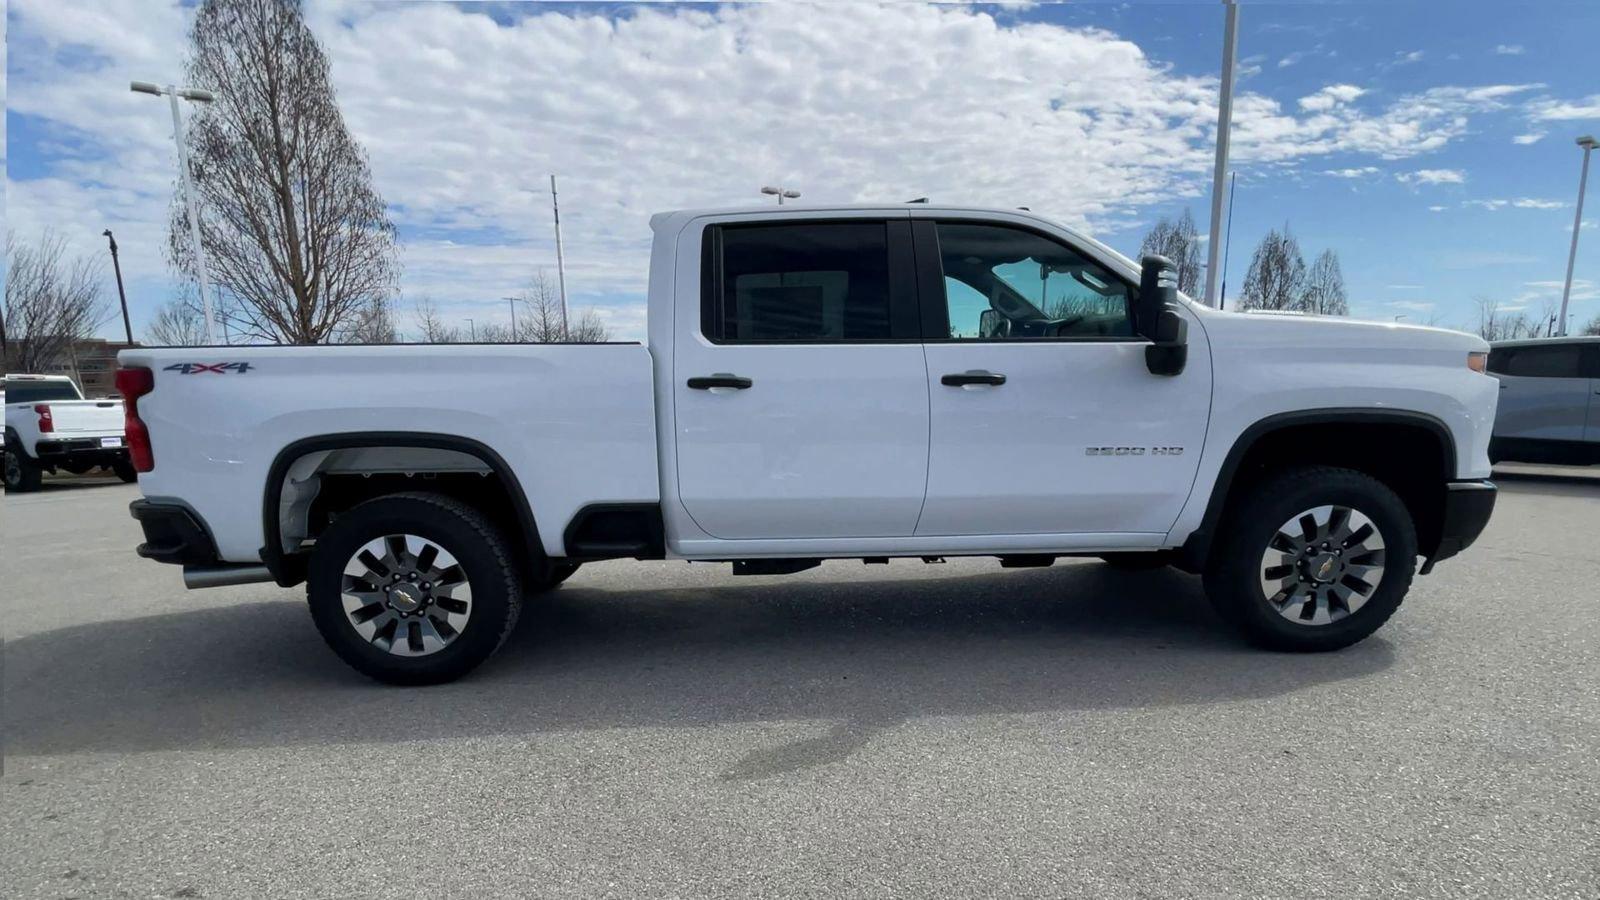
(172, 93)
(512, 302)
(474, 330)
(780, 193)
(1230, 42)
(1588, 143)
(561, 265)
(122, 295)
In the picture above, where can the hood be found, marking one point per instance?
(1352, 337)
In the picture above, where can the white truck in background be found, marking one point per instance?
(50, 427)
(858, 382)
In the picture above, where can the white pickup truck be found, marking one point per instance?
(50, 427)
(825, 383)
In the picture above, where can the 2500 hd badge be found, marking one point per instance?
(1132, 451)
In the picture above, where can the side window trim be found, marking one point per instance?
(903, 293)
(935, 304)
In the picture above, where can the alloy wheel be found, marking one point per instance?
(1322, 565)
(406, 595)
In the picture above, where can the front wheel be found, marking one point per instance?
(413, 588)
(1313, 558)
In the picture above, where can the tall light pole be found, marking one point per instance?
(473, 330)
(122, 295)
(780, 193)
(1588, 143)
(1230, 42)
(512, 302)
(196, 95)
(561, 265)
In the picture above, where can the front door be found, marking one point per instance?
(1045, 419)
(801, 399)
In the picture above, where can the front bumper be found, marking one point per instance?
(1467, 507)
(173, 533)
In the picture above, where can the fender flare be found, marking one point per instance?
(288, 569)
(1197, 547)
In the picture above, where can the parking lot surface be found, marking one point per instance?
(664, 729)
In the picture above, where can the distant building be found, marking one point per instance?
(91, 362)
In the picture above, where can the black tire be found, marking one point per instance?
(1138, 561)
(21, 473)
(1234, 572)
(485, 559)
(123, 468)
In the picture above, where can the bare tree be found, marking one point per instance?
(1277, 275)
(540, 320)
(290, 221)
(432, 328)
(177, 324)
(51, 302)
(589, 329)
(1178, 242)
(1324, 293)
(1593, 327)
(1495, 325)
(373, 323)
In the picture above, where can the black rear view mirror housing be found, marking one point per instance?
(1156, 317)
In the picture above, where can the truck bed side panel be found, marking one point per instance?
(575, 423)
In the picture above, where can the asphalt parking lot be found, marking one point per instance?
(664, 729)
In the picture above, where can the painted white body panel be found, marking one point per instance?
(575, 423)
(848, 449)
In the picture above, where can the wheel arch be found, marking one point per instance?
(288, 568)
(1419, 479)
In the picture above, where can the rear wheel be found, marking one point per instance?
(21, 473)
(413, 588)
(1314, 558)
(124, 470)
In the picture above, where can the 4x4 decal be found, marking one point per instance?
(218, 368)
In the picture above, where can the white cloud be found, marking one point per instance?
(1290, 60)
(1558, 110)
(1437, 208)
(1536, 203)
(1361, 172)
(1330, 96)
(1509, 49)
(1530, 138)
(1485, 204)
(464, 116)
(1432, 176)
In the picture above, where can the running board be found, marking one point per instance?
(196, 577)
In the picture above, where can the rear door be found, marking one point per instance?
(1544, 391)
(799, 389)
(1045, 419)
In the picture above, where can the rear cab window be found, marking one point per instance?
(40, 391)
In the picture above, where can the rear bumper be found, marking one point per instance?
(54, 451)
(1467, 507)
(173, 533)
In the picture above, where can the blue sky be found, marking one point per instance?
(1434, 152)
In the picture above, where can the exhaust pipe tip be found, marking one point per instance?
(196, 577)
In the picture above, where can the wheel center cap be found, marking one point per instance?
(405, 597)
(1324, 567)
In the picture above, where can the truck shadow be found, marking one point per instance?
(860, 657)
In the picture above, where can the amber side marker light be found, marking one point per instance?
(1478, 361)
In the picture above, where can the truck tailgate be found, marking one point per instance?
(80, 417)
(575, 423)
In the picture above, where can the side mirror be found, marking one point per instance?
(989, 324)
(1157, 317)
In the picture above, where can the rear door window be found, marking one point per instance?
(1557, 361)
(807, 282)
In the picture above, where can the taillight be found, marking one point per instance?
(47, 422)
(133, 384)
